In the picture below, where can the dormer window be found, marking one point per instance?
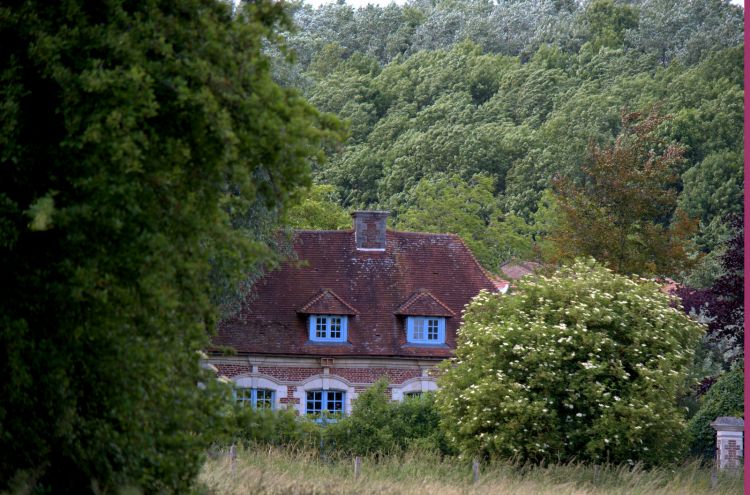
(425, 330)
(328, 328)
(425, 317)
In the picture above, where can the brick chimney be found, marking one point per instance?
(369, 230)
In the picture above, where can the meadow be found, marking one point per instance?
(277, 471)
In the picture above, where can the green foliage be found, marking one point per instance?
(249, 426)
(607, 23)
(470, 210)
(546, 220)
(584, 364)
(379, 426)
(712, 188)
(685, 31)
(319, 210)
(724, 398)
(517, 91)
(137, 141)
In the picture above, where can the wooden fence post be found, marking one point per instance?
(233, 458)
(596, 474)
(357, 467)
(714, 477)
(475, 470)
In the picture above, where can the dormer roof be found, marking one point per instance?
(423, 303)
(326, 302)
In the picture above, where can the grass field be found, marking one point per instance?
(276, 471)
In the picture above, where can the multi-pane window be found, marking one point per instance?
(257, 398)
(425, 330)
(412, 395)
(328, 328)
(321, 327)
(320, 401)
(263, 398)
(433, 326)
(334, 329)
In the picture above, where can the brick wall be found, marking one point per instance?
(230, 370)
(289, 374)
(732, 458)
(290, 398)
(395, 376)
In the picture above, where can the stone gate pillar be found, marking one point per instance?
(729, 452)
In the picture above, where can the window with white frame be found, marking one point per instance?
(412, 395)
(328, 328)
(320, 402)
(257, 398)
(425, 330)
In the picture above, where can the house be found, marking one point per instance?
(356, 306)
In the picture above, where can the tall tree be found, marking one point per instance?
(470, 210)
(134, 136)
(620, 211)
(723, 301)
(670, 29)
(320, 209)
(607, 23)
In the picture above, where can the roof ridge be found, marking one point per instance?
(393, 231)
(445, 234)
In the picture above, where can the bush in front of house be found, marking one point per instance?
(724, 398)
(283, 427)
(584, 364)
(379, 425)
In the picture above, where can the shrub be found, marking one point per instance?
(378, 425)
(583, 364)
(724, 398)
(275, 427)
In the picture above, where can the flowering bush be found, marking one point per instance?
(584, 364)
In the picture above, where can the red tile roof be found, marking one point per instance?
(422, 303)
(376, 284)
(517, 269)
(327, 303)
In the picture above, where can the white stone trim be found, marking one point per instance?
(421, 384)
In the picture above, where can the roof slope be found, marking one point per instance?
(518, 269)
(376, 283)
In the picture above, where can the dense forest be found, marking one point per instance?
(464, 115)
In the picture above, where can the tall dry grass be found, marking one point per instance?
(275, 471)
